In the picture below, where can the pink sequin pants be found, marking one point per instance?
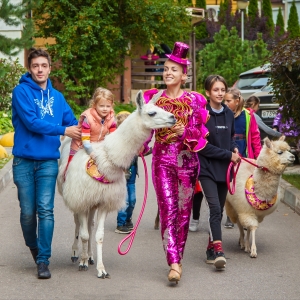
(174, 174)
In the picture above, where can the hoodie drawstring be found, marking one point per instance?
(48, 102)
(217, 131)
(49, 106)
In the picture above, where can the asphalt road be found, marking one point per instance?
(142, 273)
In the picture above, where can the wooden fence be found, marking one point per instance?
(150, 76)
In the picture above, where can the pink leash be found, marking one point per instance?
(133, 232)
(235, 171)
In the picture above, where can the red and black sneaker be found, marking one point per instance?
(220, 260)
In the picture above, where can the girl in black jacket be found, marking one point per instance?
(214, 161)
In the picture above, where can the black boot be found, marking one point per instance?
(43, 271)
(34, 253)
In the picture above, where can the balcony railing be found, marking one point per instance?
(150, 76)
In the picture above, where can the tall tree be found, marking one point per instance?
(201, 32)
(229, 57)
(94, 36)
(201, 4)
(225, 16)
(293, 22)
(280, 22)
(251, 27)
(224, 6)
(267, 12)
(253, 9)
(16, 15)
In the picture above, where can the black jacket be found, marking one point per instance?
(216, 156)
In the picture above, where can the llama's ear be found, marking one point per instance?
(156, 97)
(282, 138)
(267, 142)
(139, 100)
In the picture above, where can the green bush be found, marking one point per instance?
(4, 161)
(120, 106)
(5, 122)
(10, 73)
(285, 70)
(78, 110)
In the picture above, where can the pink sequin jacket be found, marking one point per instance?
(189, 110)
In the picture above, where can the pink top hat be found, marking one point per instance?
(179, 53)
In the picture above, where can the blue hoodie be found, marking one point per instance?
(39, 118)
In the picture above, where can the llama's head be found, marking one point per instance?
(153, 116)
(275, 155)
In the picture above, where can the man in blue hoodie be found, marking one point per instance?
(40, 114)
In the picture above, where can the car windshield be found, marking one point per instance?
(267, 88)
(252, 81)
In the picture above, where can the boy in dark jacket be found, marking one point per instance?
(214, 161)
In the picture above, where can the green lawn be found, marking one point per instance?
(293, 179)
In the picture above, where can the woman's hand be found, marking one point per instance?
(235, 157)
(178, 129)
(141, 150)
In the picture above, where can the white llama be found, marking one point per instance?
(260, 190)
(83, 195)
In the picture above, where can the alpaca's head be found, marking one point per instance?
(275, 155)
(153, 116)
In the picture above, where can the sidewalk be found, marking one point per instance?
(287, 193)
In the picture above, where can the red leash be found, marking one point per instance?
(133, 232)
(235, 171)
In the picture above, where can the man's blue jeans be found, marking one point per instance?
(36, 182)
(125, 214)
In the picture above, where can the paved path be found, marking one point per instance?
(142, 273)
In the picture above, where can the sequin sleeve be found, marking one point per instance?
(149, 94)
(196, 132)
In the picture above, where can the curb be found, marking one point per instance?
(6, 175)
(287, 193)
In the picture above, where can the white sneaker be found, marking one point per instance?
(193, 225)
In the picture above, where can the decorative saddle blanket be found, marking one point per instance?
(253, 200)
(93, 171)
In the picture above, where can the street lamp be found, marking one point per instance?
(242, 5)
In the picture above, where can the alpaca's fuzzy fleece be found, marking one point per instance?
(275, 157)
(113, 155)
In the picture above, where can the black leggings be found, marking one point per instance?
(197, 200)
(215, 193)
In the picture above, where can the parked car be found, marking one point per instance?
(268, 104)
(253, 80)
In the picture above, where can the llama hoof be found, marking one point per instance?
(253, 255)
(156, 227)
(83, 268)
(74, 259)
(103, 275)
(91, 261)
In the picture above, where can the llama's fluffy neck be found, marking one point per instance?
(265, 184)
(124, 144)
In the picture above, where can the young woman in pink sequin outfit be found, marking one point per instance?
(175, 165)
